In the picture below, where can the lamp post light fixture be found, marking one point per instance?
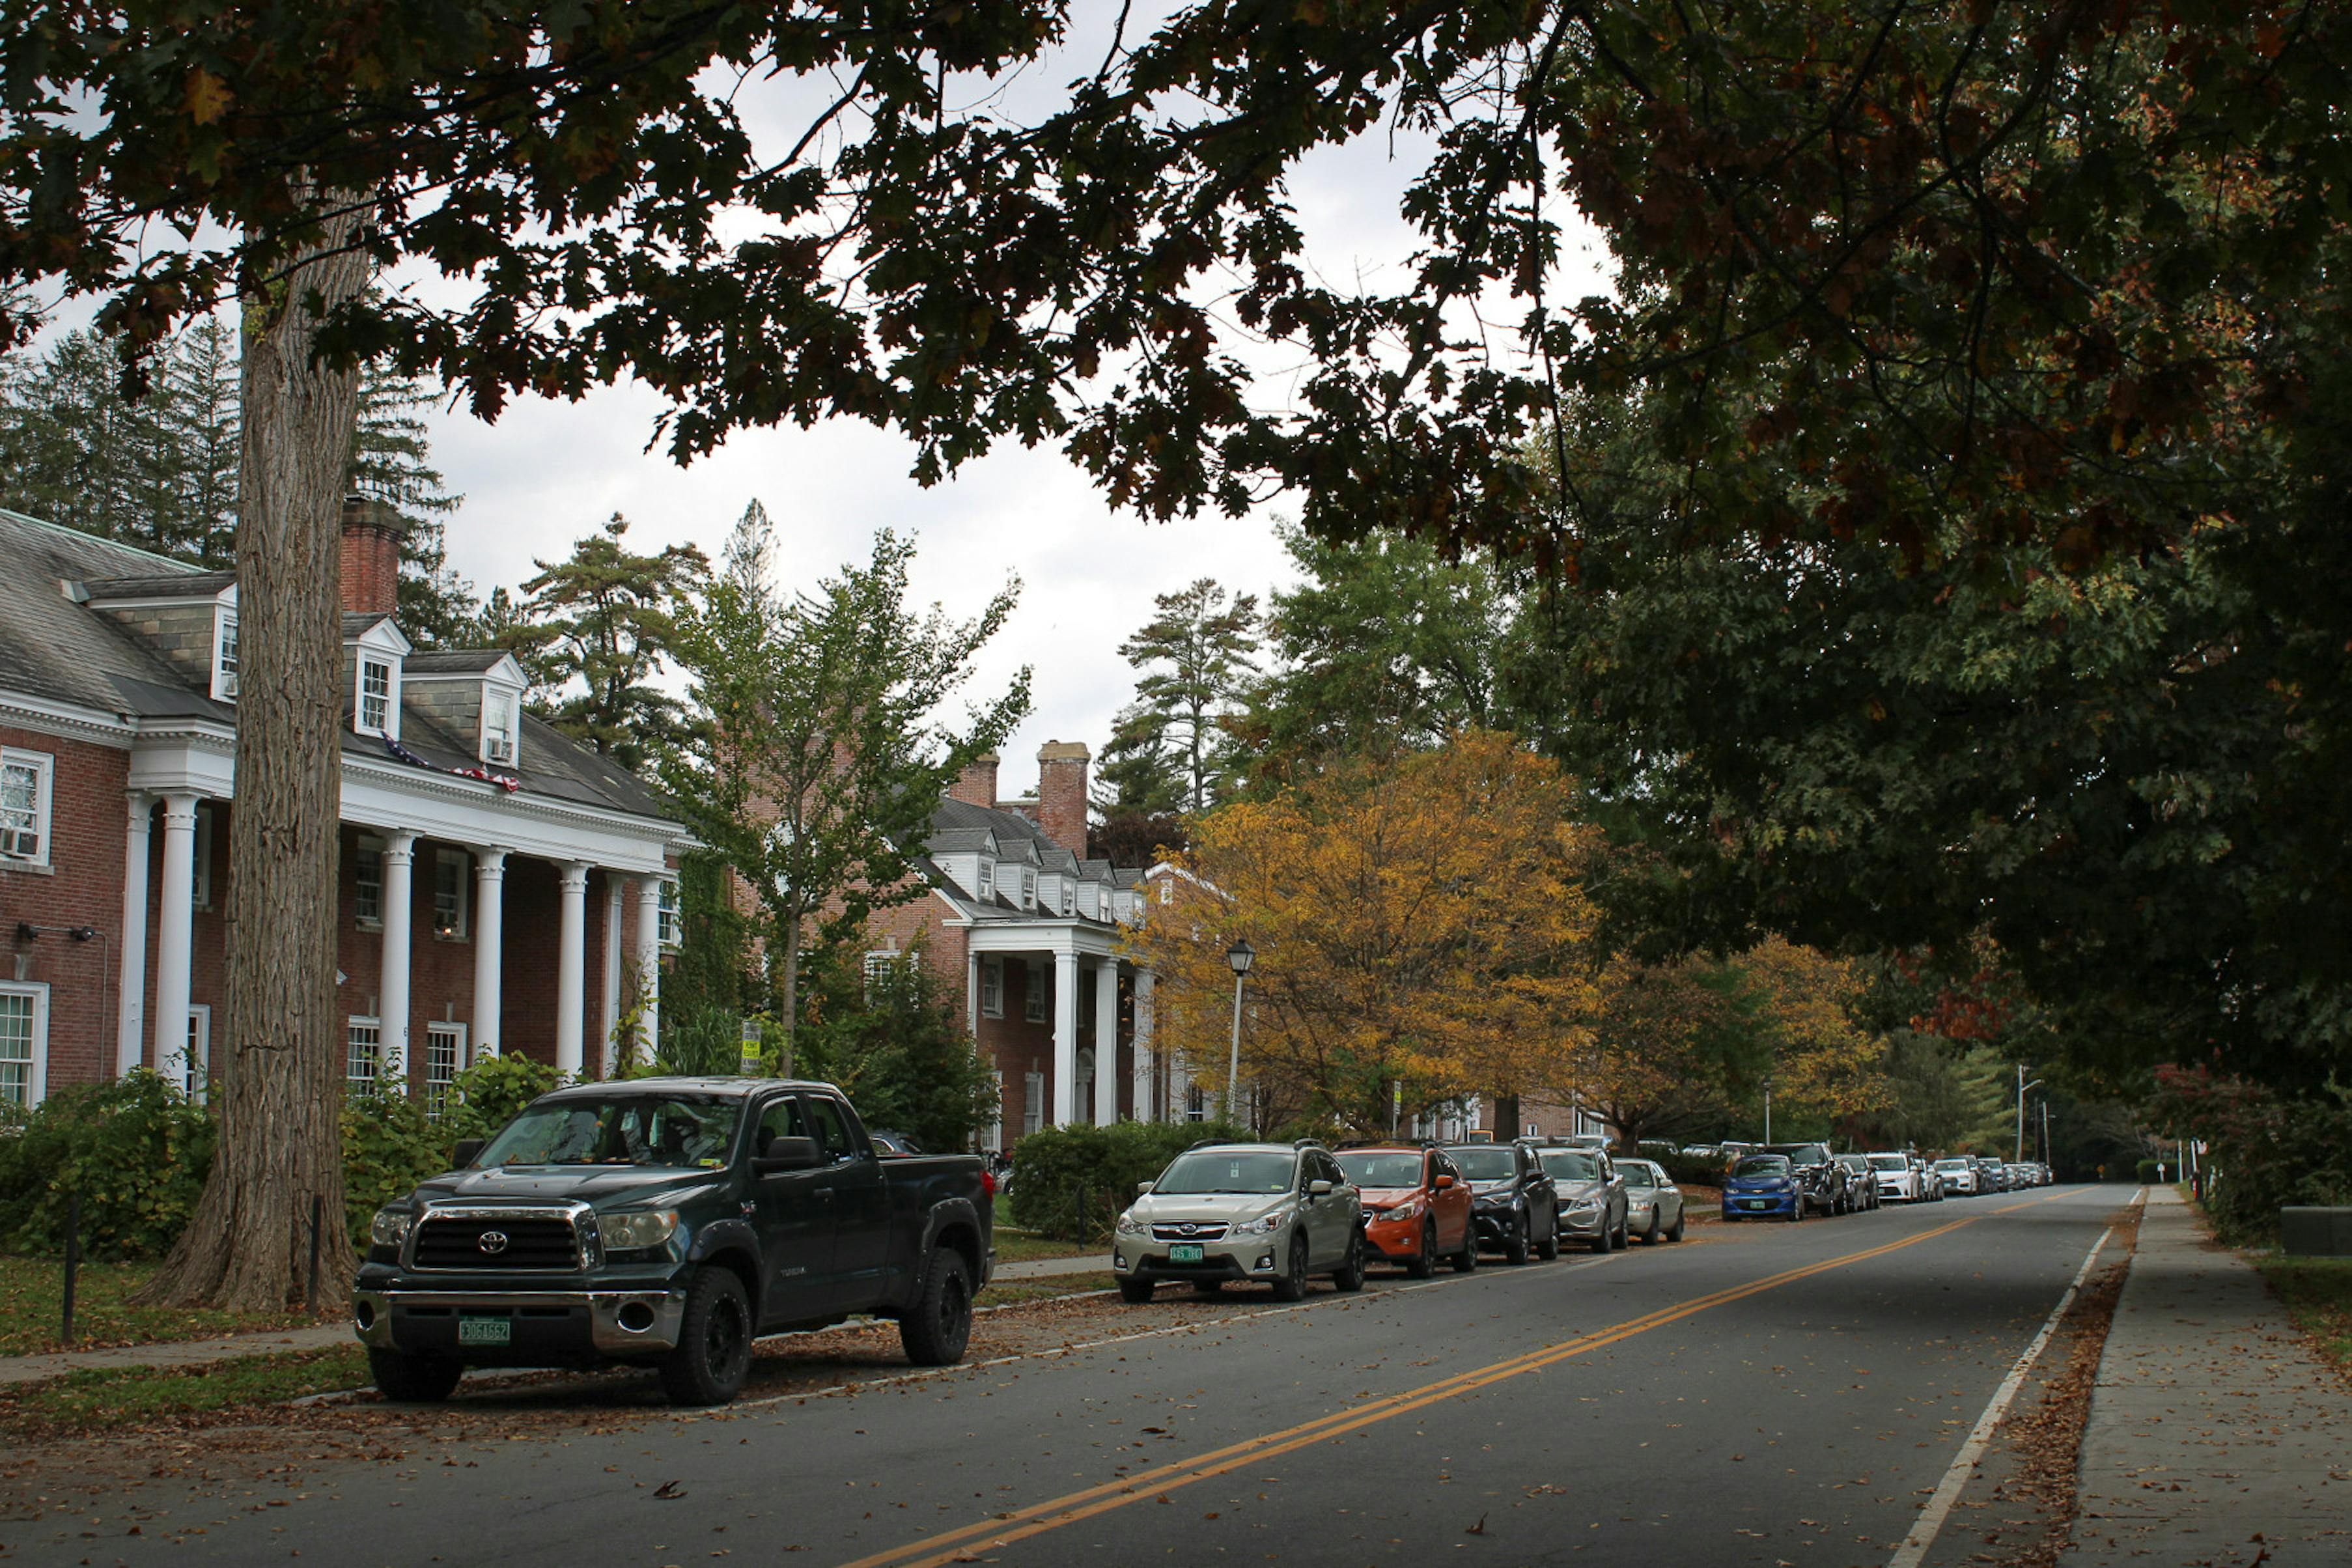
(1241, 955)
(2022, 1086)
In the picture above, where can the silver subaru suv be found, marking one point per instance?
(1275, 1212)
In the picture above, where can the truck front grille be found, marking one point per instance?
(489, 1241)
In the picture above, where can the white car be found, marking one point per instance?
(1898, 1183)
(1960, 1177)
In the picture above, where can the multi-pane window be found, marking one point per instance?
(25, 807)
(1033, 1102)
(375, 695)
(197, 1059)
(24, 1021)
(498, 720)
(991, 987)
(445, 1049)
(362, 1054)
(1028, 889)
(1033, 1003)
(667, 928)
(1196, 1103)
(225, 658)
(987, 878)
(878, 971)
(449, 901)
(367, 888)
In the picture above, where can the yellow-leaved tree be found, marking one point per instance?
(1421, 929)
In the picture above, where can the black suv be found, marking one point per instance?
(1819, 1177)
(1514, 1204)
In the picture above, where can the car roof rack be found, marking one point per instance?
(1390, 1143)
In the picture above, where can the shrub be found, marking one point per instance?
(135, 1149)
(2149, 1171)
(1701, 1170)
(485, 1097)
(1071, 1182)
(389, 1146)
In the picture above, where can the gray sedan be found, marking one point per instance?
(1653, 1205)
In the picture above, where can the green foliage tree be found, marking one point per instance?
(597, 629)
(887, 1034)
(824, 749)
(1195, 657)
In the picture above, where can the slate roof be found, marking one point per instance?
(451, 661)
(961, 827)
(56, 650)
(162, 585)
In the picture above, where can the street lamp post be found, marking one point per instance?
(1767, 1108)
(2022, 1086)
(1241, 955)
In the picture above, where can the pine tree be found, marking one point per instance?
(1196, 656)
(391, 459)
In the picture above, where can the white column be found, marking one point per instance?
(1146, 1110)
(649, 960)
(130, 1024)
(1065, 1038)
(971, 997)
(613, 886)
(572, 969)
(175, 931)
(1107, 1042)
(489, 942)
(391, 988)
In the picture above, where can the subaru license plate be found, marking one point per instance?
(477, 1331)
(1184, 1252)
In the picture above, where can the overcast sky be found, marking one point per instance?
(547, 473)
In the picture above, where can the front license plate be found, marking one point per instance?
(485, 1330)
(1184, 1252)
(1759, 1203)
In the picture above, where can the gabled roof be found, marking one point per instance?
(1017, 839)
(453, 661)
(162, 585)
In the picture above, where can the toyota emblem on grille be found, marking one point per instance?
(493, 1242)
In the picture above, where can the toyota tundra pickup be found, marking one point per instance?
(668, 1223)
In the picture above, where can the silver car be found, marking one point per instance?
(1275, 1212)
(1653, 1205)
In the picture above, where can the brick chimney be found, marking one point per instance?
(1062, 794)
(373, 533)
(977, 785)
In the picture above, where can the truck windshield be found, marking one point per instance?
(624, 1130)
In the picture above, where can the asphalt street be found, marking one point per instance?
(1786, 1395)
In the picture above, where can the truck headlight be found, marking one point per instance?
(390, 1227)
(636, 1232)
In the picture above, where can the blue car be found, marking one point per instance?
(1763, 1186)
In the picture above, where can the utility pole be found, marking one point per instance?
(2022, 1086)
(1767, 1108)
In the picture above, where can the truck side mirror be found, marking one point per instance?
(788, 1155)
(464, 1153)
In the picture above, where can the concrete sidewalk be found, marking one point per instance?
(2216, 1436)
(178, 1353)
(1047, 1267)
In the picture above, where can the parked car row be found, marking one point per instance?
(1283, 1212)
(1789, 1181)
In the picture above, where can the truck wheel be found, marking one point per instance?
(1290, 1285)
(1423, 1264)
(1135, 1292)
(714, 1342)
(938, 1321)
(412, 1379)
(1348, 1277)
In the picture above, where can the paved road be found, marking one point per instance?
(1790, 1394)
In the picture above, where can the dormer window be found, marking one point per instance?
(1069, 898)
(501, 713)
(1028, 889)
(987, 883)
(224, 656)
(372, 714)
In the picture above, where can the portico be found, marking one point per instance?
(1097, 1072)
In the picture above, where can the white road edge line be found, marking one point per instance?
(1914, 1549)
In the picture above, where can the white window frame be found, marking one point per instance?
(196, 1058)
(436, 1084)
(1028, 888)
(225, 655)
(991, 986)
(669, 922)
(37, 1069)
(201, 895)
(987, 877)
(369, 848)
(1033, 1103)
(1069, 898)
(462, 927)
(44, 769)
(878, 967)
(357, 1083)
(501, 743)
(389, 724)
(1035, 996)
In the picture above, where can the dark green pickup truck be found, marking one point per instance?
(668, 1223)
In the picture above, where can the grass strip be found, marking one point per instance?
(32, 1294)
(112, 1399)
(2317, 1294)
(1017, 1247)
(1011, 1292)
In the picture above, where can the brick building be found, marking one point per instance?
(486, 858)
(1027, 930)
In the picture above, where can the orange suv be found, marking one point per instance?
(1416, 1207)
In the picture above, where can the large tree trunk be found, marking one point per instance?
(1507, 1117)
(279, 1162)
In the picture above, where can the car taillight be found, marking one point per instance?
(988, 1184)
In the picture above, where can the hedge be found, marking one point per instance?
(1070, 1183)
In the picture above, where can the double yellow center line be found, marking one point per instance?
(1036, 1519)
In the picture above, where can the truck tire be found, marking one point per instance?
(412, 1379)
(714, 1342)
(937, 1324)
